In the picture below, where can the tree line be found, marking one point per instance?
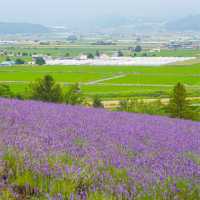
(178, 107)
(47, 90)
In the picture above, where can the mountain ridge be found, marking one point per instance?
(22, 28)
(188, 23)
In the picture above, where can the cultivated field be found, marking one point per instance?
(69, 152)
(79, 48)
(62, 152)
(109, 81)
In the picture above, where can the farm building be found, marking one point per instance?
(7, 63)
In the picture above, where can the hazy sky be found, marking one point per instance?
(58, 12)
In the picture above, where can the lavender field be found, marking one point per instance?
(50, 151)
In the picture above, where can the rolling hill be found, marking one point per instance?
(72, 152)
(22, 28)
(190, 23)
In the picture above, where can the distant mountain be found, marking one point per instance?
(122, 24)
(22, 28)
(190, 23)
(112, 21)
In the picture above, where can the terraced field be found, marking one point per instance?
(109, 81)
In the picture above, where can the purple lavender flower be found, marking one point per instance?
(114, 148)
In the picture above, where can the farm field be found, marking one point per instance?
(179, 53)
(100, 100)
(84, 48)
(109, 81)
(156, 79)
(51, 151)
(61, 50)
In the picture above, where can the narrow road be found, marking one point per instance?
(105, 79)
(15, 82)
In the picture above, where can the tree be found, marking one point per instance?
(138, 48)
(24, 54)
(97, 53)
(145, 54)
(90, 56)
(19, 61)
(8, 58)
(67, 54)
(74, 95)
(46, 89)
(72, 38)
(179, 106)
(40, 61)
(135, 54)
(120, 53)
(97, 102)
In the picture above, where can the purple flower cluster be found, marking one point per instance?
(149, 149)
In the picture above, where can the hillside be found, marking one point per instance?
(71, 152)
(119, 24)
(22, 28)
(190, 23)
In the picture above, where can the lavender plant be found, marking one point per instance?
(50, 151)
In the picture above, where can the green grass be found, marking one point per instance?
(124, 91)
(72, 49)
(58, 76)
(155, 81)
(173, 53)
(164, 79)
(179, 53)
(78, 48)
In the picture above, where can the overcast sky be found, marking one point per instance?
(60, 12)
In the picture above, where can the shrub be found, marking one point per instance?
(74, 95)
(19, 61)
(40, 61)
(120, 53)
(139, 106)
(90, 56)
(8, 58)
(5, 91)
(138, 48)
(97, 102)
(98, 53)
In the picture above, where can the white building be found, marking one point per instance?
(7, 63)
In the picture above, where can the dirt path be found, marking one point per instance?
(105, 79)
(15, 82)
